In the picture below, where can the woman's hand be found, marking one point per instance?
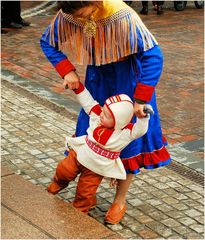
(139, 110)
(71, 80)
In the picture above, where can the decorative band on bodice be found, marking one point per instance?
(105, 153)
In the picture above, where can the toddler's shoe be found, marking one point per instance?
(54, 187)
(114, 215)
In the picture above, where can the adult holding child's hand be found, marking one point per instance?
(71, 80)
(122, 57)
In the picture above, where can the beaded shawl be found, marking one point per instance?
(101, 41)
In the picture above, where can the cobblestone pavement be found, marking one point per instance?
(161, 203)
(180, 91)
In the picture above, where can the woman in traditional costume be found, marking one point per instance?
(122, 57)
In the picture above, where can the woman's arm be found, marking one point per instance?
(59, 60)
(149, 66)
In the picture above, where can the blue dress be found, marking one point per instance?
(139, 72)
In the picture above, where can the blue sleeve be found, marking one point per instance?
(149, 63)
(52, 53)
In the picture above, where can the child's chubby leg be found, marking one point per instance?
(88, 183)
(66, 171)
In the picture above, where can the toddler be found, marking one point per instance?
(96, 155)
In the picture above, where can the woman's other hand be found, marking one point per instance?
(71, 80)
(139, 110)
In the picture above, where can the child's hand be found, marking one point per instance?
(148, 110)
(71, 80)
(113, 183)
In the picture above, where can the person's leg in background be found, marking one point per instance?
(7, 12)
(154, 5)
(159, 8)
(17, 14)
(11, 15)
(144, 9)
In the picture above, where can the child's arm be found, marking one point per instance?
(86, 100)
(141, 126)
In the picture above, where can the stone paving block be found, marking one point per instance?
(161, 229)
(170, 201)
(5, 171)
(193, 235)
(200, 219)
(136, 226)
(135, 202)
(144, 219)
(13, 226)
(192, 213)
(147, 234)
(164, 208)
(160, 194)
(180, 196)
(175, 214)
(187, 221)
(197, 228)
(154, 202)
(192, 203)
(126, 233)
(53, 216)
(196, 188)
(169, 222)
(193, 195)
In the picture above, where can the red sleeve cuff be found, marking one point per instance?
(96, 109)
(80, 89)
(144, 92)
(64, 67)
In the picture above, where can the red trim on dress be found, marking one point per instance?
(96, 109)
(164, 140)
(146, 159)
(64, 67)
(143, 92)
(102, 134)
(80, 89)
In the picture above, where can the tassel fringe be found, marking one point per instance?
(115, 37)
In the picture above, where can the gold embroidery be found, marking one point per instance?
(90, 28)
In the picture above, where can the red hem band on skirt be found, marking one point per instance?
(150, 160)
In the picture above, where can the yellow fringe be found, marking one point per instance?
(115, 37)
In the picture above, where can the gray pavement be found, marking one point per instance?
(29, 212)
(166, 203)
(161, 203)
